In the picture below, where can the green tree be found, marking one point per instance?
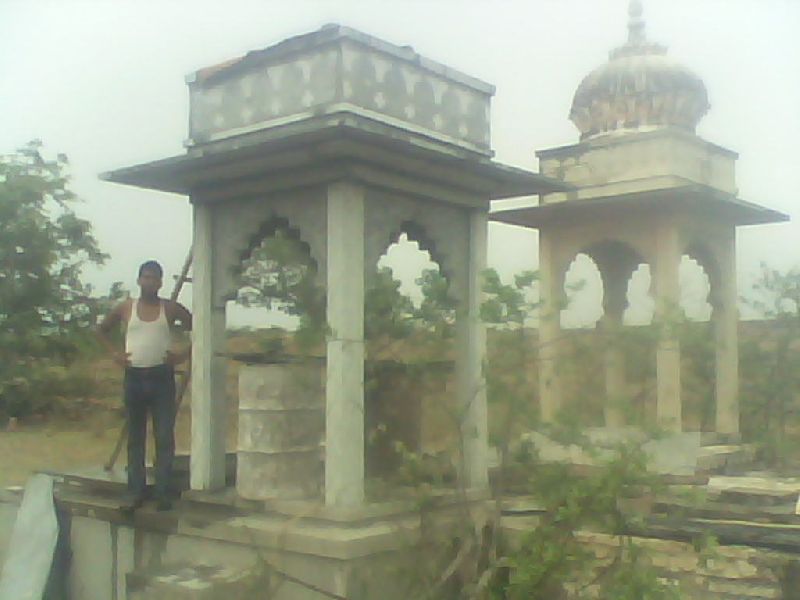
(45, 308)
(770, 367)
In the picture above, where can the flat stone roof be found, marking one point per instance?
(346, 138)
(696, 199)
(327, 34)
(631, 136)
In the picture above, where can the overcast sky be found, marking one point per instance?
(103, 82)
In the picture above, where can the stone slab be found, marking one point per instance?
(757, 490)
(278, 431)
(193, 582)
(288, 474)
(33, 542)
(675, 454)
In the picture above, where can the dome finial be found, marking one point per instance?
(639, 88)
(635, 23)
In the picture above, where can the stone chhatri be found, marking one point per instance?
(639, 87)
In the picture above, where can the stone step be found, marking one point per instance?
(723, 458)
(712, 438)
(754, 491)
(196, 582)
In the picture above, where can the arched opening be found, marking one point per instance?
(695, 288)
(279, 305)
(640, 345)
(698, 349)
(583, 287)
(276, 341)
(409, 321)
(581, 364)
(641, 305)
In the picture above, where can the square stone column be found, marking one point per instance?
(470, 360)
(616, 268)
(344, 406)
(668, 352)
(614, 366)
(207, 462)
(726, 323)
(551, 292)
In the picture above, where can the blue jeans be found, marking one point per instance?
(150, 389)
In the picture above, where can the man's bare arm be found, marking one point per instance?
(112, 320)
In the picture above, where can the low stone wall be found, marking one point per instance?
(724, 573)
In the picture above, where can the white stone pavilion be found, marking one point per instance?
(349, 141)
(648, 190)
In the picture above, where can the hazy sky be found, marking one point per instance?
(103, 82)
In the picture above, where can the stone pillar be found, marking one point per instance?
(668, 353)
(726, 323)
(344, 406)
(470, 359)
(551, 287)
(615, 288)
(207, 461)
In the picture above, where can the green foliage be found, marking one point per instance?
(635, 579)
(698, 374)
(280, 274)
(552, 561)
(508, 308)
(552, 558)
(436, 314)
(453, 563)
(508, 305)
(45, 309)
(387, 312)
(770, 369)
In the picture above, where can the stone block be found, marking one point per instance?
(8, 516)
(91, 570)
(278, 431)
(281, 429)
(283, 475)
(281, 386)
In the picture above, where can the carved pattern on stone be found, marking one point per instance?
(241, 223)
(442, 230)
(367, 79)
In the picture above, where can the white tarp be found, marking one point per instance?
(32, 544)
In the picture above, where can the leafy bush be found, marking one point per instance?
(46, 311)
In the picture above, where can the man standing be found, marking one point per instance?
(149, 383)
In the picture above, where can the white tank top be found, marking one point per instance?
(147, 342)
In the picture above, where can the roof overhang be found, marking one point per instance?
(344, 141)
(692, 199)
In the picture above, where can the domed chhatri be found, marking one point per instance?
(638, 88)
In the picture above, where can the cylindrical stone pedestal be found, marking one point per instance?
(281, 431)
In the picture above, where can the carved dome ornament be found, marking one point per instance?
(638, 88)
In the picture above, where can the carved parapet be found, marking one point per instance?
(333, 72)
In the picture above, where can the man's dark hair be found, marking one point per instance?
(151, 265)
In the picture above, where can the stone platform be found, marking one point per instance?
(216, 545)
(686, 454)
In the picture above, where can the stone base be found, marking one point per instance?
(217, 545)
(686, 454)
(195, 582)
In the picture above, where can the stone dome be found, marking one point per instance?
(639, 87)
